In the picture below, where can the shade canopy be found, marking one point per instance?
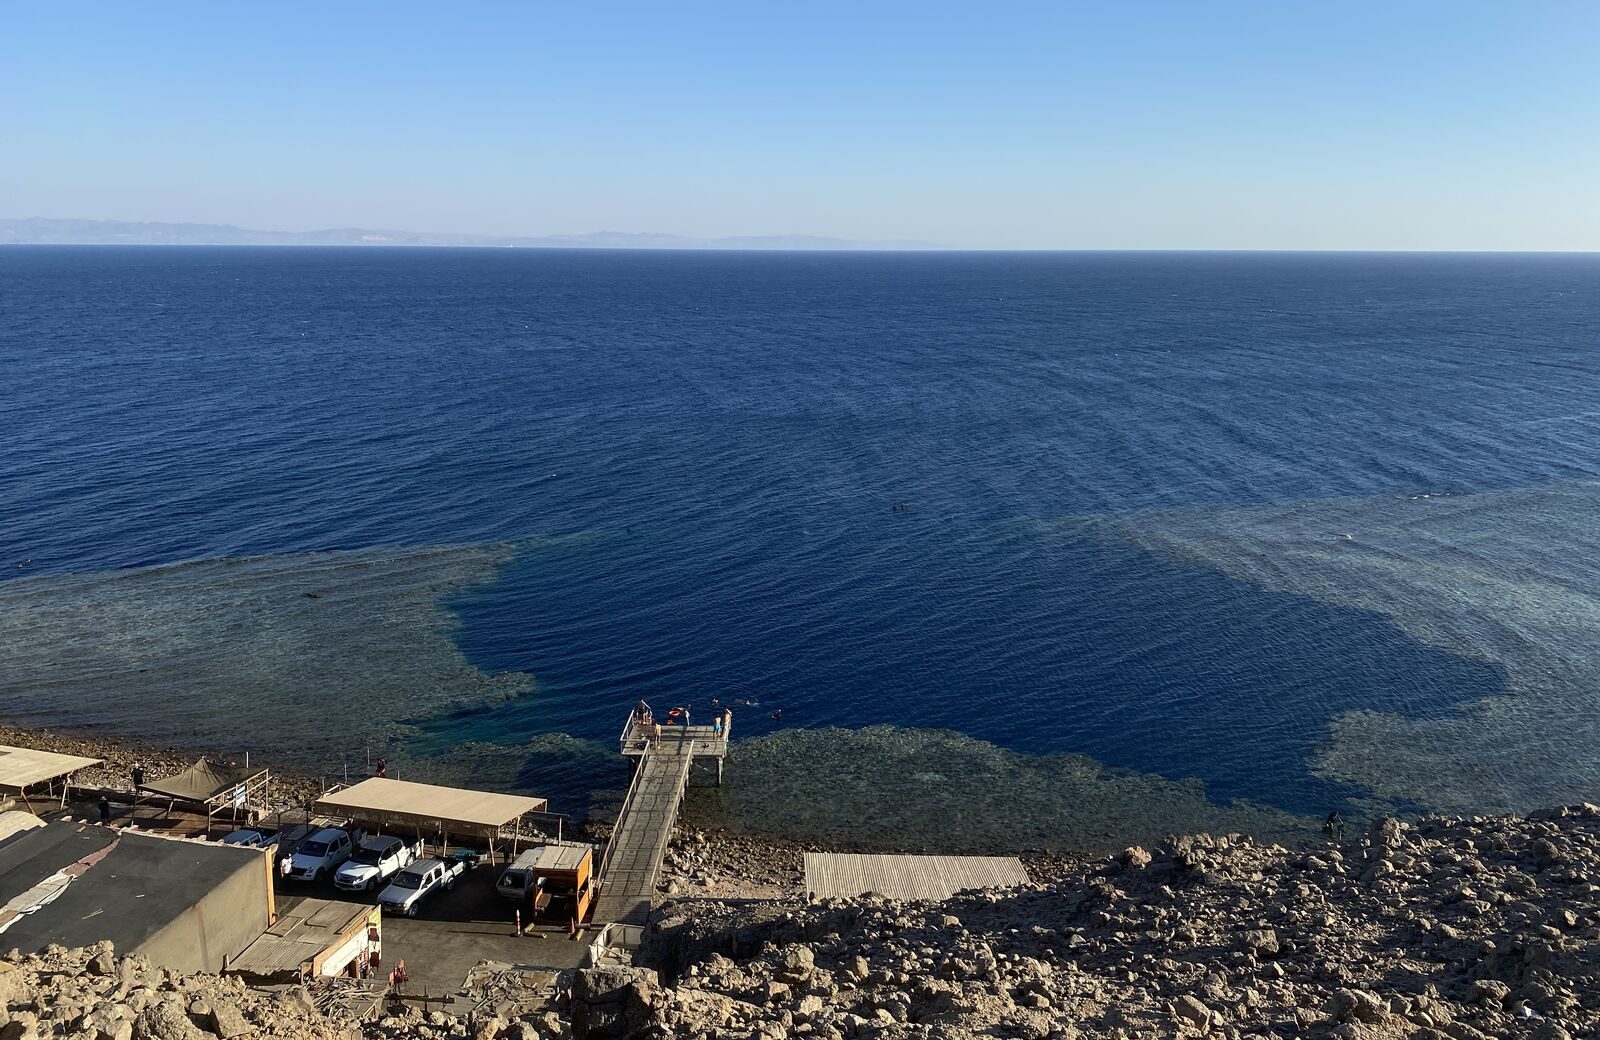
(204, 781)
(22, 768)
(386, 802)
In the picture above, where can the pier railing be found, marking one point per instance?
(616, 828)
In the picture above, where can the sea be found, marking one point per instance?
(983, 550)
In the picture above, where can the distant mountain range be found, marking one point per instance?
(51, 231)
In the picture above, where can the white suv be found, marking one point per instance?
(374, 863)
(320, 854)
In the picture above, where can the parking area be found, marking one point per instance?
(452, 932)
(455, 930)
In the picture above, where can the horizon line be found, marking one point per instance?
(101, 232)
(1469, 251)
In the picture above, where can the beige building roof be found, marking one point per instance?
(302, 933)
(16, 821)
(383, 801)
(552, 857)
(839, 875)
(21, 768)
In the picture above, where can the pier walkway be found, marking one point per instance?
(638, 842)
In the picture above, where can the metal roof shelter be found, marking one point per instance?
(310, 938)
(553, 857)
(840, 875)
(22, 768)
(445, 810)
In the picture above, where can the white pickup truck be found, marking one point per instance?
(320, 855)
(415, 883)
(377, 860)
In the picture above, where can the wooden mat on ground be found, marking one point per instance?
(842, 875)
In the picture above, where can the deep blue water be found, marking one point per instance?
(725, 436)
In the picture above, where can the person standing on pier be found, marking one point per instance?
(137, 772)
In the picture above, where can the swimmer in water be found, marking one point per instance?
(778, 715)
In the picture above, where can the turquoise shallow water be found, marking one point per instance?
(468, 505)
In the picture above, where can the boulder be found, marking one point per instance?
(14, 985)
(1189, 1009)
(165, 1021)
(796, 964)
(104, 961)
(609, 1003)
(1385, 830)
(1490, 992)
(1348, 1005)
(23, 1025)
(1263, 942)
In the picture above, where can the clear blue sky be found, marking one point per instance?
(1409, 124)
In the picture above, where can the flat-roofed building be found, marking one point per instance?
(187, 905)
(316, 938)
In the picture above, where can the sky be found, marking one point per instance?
(1134, 124)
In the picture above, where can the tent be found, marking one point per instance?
(216, 786)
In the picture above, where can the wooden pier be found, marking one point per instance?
(644, 826)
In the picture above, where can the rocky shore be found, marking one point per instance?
(1446, 928)
(289, 791)
(1441, 929)
(713, 865)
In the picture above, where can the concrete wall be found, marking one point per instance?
(219, 925)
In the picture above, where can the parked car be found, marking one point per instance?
(246, 837)
(320, 855)
(287, 842)
(374, 863)
(418, 881)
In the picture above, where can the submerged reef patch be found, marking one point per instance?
(1510, 578)
(310, 657)
(884, 787)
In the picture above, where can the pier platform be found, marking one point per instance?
(632, 859)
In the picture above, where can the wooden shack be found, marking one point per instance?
(566, 871)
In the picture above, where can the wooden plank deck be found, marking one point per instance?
(644, 826)
(642, 831)
(708, 743)
(841, 875)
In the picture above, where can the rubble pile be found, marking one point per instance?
(93, 994)
(698, 863)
